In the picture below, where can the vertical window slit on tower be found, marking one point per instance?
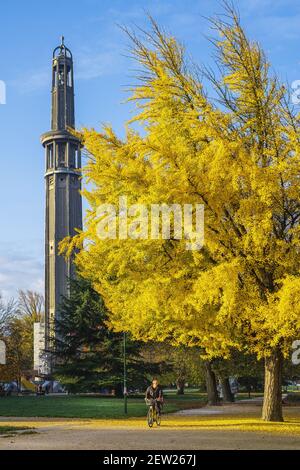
(62, 154)
(69, 78)
(49, 162)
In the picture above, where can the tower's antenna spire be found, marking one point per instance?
(62, 38)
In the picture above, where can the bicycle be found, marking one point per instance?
(153, 415)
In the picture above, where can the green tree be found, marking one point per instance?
(177, 364)
(88, 355)
(244, 367)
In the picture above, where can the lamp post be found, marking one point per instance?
(125, 373)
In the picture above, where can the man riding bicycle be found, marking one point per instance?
(154, 395)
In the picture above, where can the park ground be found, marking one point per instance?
(188, 424)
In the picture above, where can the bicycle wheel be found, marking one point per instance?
(158, 419)
(150, 417)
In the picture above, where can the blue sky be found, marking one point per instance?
(28, 33)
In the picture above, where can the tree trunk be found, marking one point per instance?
(180, 386)
(118, 390)
(272, 406)
(226, 390)
(211, 385)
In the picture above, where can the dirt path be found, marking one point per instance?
(207, 430)
(247, 408)
(121, 439)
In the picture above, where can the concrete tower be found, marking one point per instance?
(62, 178)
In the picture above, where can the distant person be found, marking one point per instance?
(40, 390)
(154, 394)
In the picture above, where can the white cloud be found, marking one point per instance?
(89, 65)
(36, 81)
(285, 28)
(20, 270)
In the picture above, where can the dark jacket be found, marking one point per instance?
(154, 393)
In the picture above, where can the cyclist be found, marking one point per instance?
(155, 394)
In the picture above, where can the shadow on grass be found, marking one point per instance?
(6, 431)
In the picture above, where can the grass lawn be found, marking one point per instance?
(89, 407)
(245, 396)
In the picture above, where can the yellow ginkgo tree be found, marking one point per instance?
(239, 157)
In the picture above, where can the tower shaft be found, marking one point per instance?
(63, 184)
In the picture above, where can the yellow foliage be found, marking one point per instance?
(242, 162)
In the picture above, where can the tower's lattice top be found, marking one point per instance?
(62, 114)
(62, 50)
